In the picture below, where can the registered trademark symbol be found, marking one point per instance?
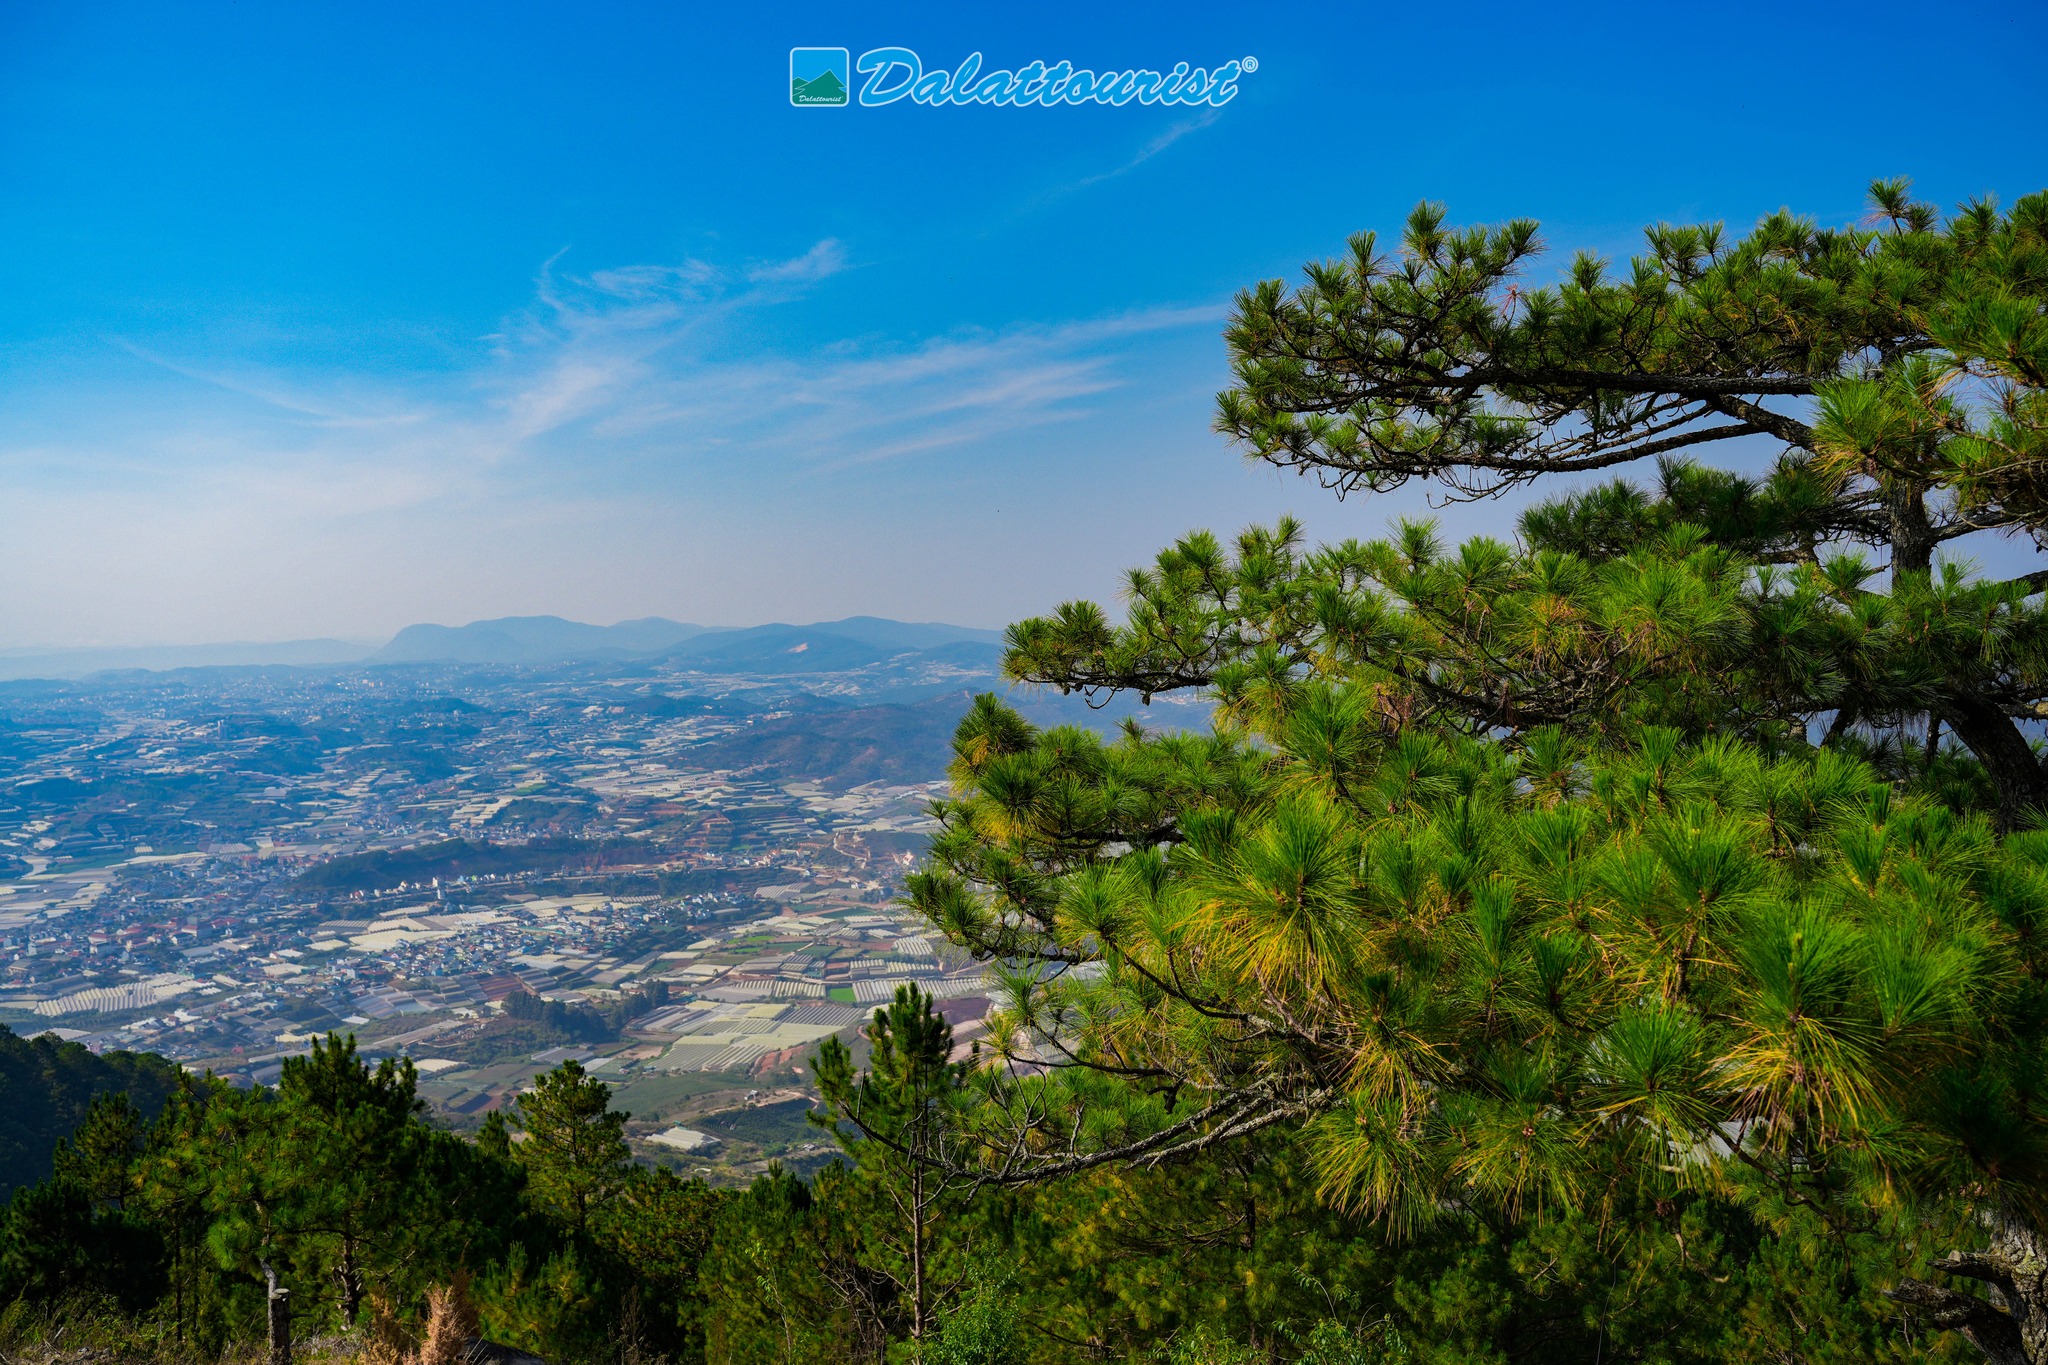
(1248, 64)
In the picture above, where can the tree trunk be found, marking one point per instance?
(1912, 535)
(1991, 735)
(178, 1280)
(279, 1303)
(349, 1282)
(1996, 740)
(2009, 1328)
(917, 1253)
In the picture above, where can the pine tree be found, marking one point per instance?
(1604, 867)
(1513, 985)
(101, 1155)
(77, 1233)
(351, 1135)
(574, 1146)
(222, 1164)
(1899, 368)
(902, 1107)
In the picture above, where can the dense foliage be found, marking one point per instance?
(1898, 370)
(334, 1183)
(1625, 943)
(48, 1085)
(1674, 848)
(332, 1194)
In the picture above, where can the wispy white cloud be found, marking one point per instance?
(632, 361)
(854, 407)
(377, 408)
(825, 259)
(630, 387)
(645, 360)
(654, 281)
(1153, 148)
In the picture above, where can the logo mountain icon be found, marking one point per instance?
(817, 75)
(826, 89)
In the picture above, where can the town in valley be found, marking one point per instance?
(682, 871)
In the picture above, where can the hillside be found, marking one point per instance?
(531, 639)
(48, 1085)
(895, 743)
(381, 869)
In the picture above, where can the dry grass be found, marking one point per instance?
(88, 1333)
(448, 1338)
(91, 1332)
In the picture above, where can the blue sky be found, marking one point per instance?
(324, 319)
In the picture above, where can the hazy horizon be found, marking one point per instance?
(524, 317)
(377, 641)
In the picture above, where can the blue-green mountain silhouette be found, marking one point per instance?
(825, 89)
(827, 646)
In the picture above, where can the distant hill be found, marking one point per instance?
(775, 649)
(781, 649)
(531, 639)
(826, 647)
(382, 869)
(78, 663)
(904, 741)
(877, 630)
(966, 654)
(833, 646)
(49, 1085)
(890, 743)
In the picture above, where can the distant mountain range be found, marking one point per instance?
(532, 639)
(825, 647)
(77, 663)
(901, 742)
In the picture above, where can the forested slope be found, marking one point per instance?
(46, 1086)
